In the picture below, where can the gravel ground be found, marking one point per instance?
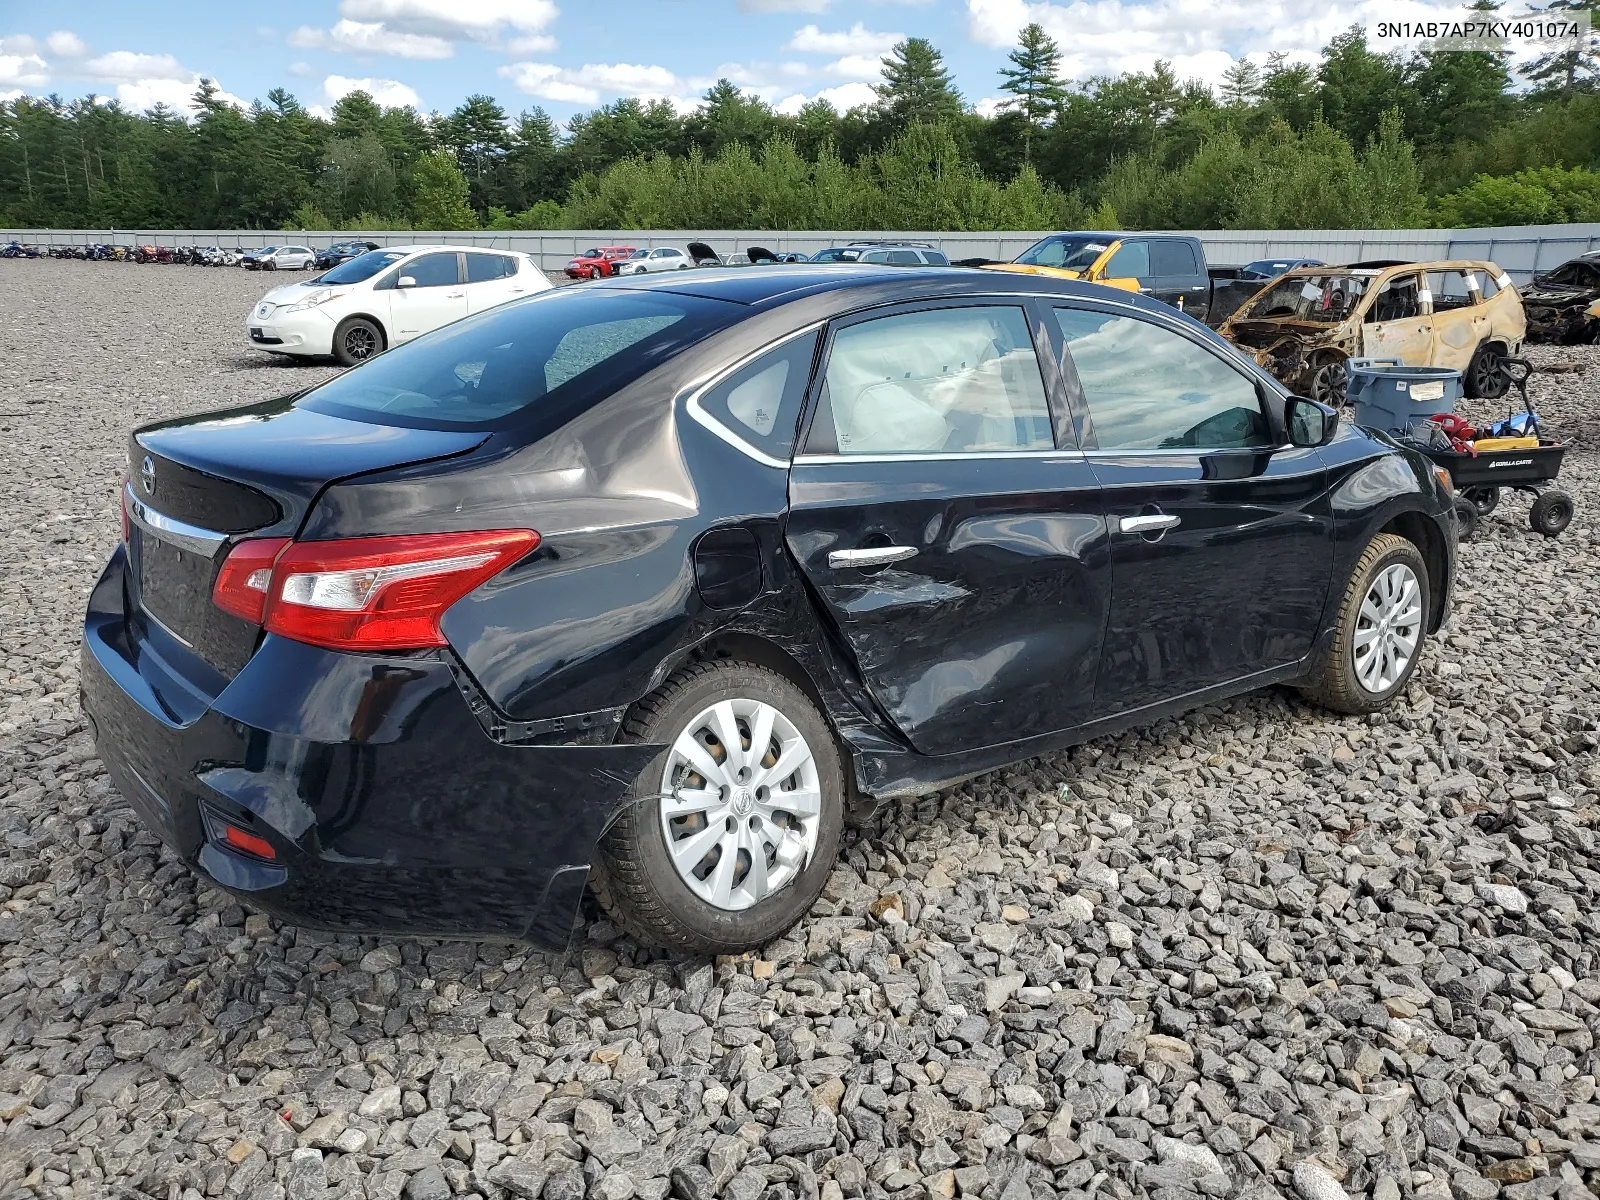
(1253, 952)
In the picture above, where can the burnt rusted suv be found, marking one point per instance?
(1307, 324)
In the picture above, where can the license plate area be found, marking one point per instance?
(174, 585)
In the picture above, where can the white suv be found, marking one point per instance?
(648, 262)
(384, 297)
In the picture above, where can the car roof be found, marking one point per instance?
(767, 286)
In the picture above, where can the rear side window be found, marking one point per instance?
(760, 402)
(936, 258)
(904, 258)
(1173, 258)
(483, 267)
(1449, 289)
(1148, 388)
(942, 381)
(556, 354)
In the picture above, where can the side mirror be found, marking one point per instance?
(406, 281)
(1310, 423)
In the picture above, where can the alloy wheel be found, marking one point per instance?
(741, 803)
(359, 342)
(1388, 628)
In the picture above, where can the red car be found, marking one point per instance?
(598, 262)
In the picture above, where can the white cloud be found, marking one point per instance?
(389, 93)
(12, 94)
(858, 39)
(66, 45)
(474, 20)
(371, 37)
(856, 66)
(19, 44)
(776, 6)
(142, 94)
(26, 70)
(588, 83)
(537, 43)
(991, 106)
(124, 66)
(1202, 38)
(549, 82)
(844, 97)
(302, 70)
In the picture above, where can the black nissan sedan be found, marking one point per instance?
(647, 586)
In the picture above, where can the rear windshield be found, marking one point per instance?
(558, 353)
(363, 266)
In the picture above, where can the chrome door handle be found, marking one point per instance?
(454, 295)
(1148, 523)
(869, 556)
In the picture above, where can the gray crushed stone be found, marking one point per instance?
(1258, 951)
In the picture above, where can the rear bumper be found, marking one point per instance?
(388, 807)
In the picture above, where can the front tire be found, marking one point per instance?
(356, 340)
(1487, 378)
(729, 834)
(1381, 628)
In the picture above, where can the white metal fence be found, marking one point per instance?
(1522, 250)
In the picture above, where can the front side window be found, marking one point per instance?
(434, 270)
(1131, 261)
(1149, 388)
(942, 381)
(760, 402)
(1398, 299)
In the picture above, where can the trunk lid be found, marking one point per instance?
(199, 484)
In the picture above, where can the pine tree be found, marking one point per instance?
(1576, 61)
(1241, 83)
(1033, 80)
(916, 86)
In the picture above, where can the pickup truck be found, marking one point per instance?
(1170, 267)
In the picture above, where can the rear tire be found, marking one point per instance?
(685, 877)
(1384, 614)
(1486, 378)
(356, 340)
(1551, 513)
(1330, 383)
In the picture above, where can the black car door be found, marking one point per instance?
(1221, 536)
(1177, 277)
(950, 527)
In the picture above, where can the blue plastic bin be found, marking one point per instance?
(1392, 397)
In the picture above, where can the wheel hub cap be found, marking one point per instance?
(1388, 628)
(741, 802)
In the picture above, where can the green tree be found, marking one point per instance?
(1241, 83)
(356, 176)
(1357, 87)
(916, 87)
(1573, 64)
(1034, 81)
(476, 131)
(440, 199)
(725, 116)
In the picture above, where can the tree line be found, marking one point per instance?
(1360, 139)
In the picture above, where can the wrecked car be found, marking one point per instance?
(1306, 326)
(1560, 303)
(646, 585)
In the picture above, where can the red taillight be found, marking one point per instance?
(246, 574)
(248, 842)
(380, 593)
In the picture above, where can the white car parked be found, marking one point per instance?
(281, 258)
(648, 262)
(384, 297)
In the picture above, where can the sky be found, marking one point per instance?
(569, 56)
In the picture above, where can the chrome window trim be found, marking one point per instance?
(696, 410)
(1191, 451)
(169, 529)
(923, 456)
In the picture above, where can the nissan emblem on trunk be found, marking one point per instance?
(147, 474)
